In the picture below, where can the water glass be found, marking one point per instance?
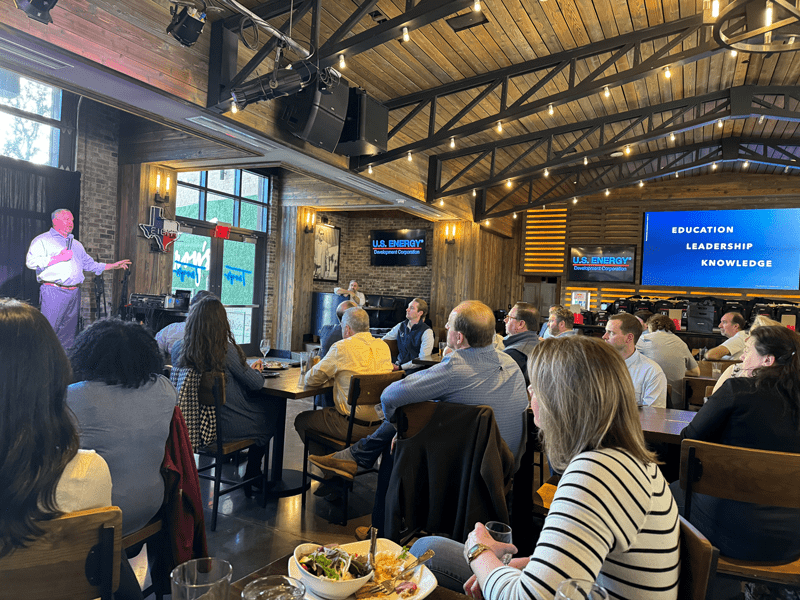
(274, 587)
(579, 589)
(716, 369)
(303, 362)
(442, 346)
(499, 531)
(206, 578)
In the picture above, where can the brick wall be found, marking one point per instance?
(354, 258)
(98, 146)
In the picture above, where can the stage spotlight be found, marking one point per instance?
(38, 10)
(186, 25)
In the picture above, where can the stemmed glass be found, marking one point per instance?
(265, 348)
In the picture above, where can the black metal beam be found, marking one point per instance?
(267, 11)
(750, 101)
(349, 23)
(682, 33)
(661, 163)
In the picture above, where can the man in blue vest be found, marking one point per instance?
(522, 329)
(414, 337)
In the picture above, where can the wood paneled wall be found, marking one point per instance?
(479, 266)
(151, 272)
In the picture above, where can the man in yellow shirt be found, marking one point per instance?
(358, 353)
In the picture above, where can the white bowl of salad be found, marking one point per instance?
(334, 573)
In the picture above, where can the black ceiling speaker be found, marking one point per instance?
(316, 113)
(186, 25)
(38, 10)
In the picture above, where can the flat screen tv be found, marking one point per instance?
(398, 247)
(750, 249)
(602, 263)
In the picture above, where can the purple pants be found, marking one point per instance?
(60, 306)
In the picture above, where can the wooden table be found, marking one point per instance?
(664, 425)
(428, 361)
(286, 386)
(281, 567)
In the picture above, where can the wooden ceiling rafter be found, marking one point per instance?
(654, 122)
(610, 174)
(677, 43)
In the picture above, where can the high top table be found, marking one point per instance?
(278, 389)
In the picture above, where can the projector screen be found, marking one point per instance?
(398, 247)
(757, 249)
(602, 263)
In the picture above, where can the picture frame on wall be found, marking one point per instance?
(326, 252)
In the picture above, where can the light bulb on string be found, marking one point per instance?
(406, 37)
(369, 170)
(452, 142)
(409, 157)
(342, 64)
(477, 6)
(499, 127)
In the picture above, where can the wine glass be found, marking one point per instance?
(265, 348)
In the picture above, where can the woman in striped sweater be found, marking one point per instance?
(612, 519)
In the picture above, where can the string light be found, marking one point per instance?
(713, 166)
(667, 72)
(477, 6)
(608, 191)
(641, 183)
(546, 173)
(585, 160)
(676, 174)
(452, 142)
(234, 108)
(474, 193)
(441, 202)
(719, 123)
(768, 22)
(550, 110)
(508, 183)
(671, 137)
(409, 157)
(574, 200)
(487, 222)
(715, 8)
(515, 214)
(606, 92)
(499, 127)
(369, 169)
(406, 38)
(342, 64)
(734, 53)
(786, 169)
(746, 164)
(627, 149)
(760, 119)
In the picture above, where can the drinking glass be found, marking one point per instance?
(265, 347)
(274, 587)
(442, 347)
(206, 578)
(499, 531)
(303, 362)
(579, 589)
(716, 369)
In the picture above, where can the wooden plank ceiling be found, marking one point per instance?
(524, 30)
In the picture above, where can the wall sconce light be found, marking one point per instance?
(450, 234)
(158, 198)
(310, 218)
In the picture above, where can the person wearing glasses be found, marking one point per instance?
(522, 334)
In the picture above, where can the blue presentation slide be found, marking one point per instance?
(723, 248)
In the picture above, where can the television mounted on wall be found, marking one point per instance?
(398, 247)
(596, 264)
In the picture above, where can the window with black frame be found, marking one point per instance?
(233, 268)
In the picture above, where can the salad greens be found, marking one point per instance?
(334, 563)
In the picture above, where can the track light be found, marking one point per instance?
(369, 169)
(409, 157)
(499, 127)
(452, 142)
(667, 72)
(186, 25)
(550, 110)
(406, 38)
(38, 10)
(606, 92)
(342, 64)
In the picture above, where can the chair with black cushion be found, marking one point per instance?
(373, 299)
(77, 557)
(746, 475)
(211, 392)
(365, 390)
(698, 563)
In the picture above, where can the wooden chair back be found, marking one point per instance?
(78, 556)
(366, 390)
(393, 348)
(743, 474)
(709, 391)
(698, 563)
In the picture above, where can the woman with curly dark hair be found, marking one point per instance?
(760, 409)
(43, 473)
(208, 345)
(124, 408)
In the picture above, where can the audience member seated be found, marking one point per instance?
(357, 354)
(208, 345)
(649, 382)
(643, 316)
(475, 373)
(124, 407)
(550, 318)
(522, 334)
(736, 369)
(671, 353)
(561, 322)
(732, 326)
(43, 472)
(170, 334)
(760, 409)
(414, 337)
(352, 293)
(328, 336)
(611, 519)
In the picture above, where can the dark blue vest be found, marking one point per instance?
(409, 341)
